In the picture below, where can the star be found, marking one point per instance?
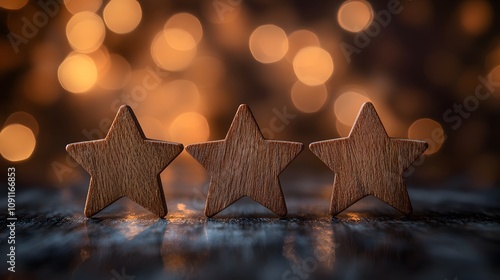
(368, 162)
(125, 163)
(245, 164)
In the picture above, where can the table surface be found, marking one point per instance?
(451, 235)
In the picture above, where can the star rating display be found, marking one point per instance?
(368, 162)
(245, 164)
(125, 163)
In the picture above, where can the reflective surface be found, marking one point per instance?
(451, 235)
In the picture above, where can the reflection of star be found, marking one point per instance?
(368, 162)
(245, 164)
(125, 163)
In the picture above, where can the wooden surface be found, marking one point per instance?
(368, 162)
(125, 163)
(245, 164)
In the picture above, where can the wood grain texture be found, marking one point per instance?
(125, 163)
(245, 164)
(368, 162)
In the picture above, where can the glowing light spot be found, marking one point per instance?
(355, 16)
(117, 74)
(173, 53)
(299, 40)
(85, 32)
(25, 119)
(153, 128)
(17, 142)
(77, 73)
(122, 16)
(313, 66)
(77, 6)
(181, 95)
(189, 128)
(308, 99)
(347, 105)
(495, 76)
(186, 22)
(430, 131)
(268, 43)
(12, 4)
(475, 16)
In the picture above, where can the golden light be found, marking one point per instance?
(189, 128)
(17, 142)
(180, 95)
(495, 76)
(199, 74)
(153, 128)
(117, 73)
(355, 16)
(122, 16)
(25, 119)
(188, 23)
(173, 49)
(347, 106)
(430, 131)
(342, 129)
(475, 16)
(268, 43)
(12, 4)
(308, 99)
(77, 6)
(313, 66)
(299, 40)
(77, 73)
(85, 32)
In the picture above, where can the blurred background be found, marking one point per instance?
(432, 70)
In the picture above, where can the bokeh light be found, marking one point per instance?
(186, 22)
(17, 142)
(268, 43)
(430, 131)
(313, 66)
(12, 4)
(77, 6)
(117, 73)
(77, 73)
(85, 32)
(153, 128)
(198, 73)
(475, 16)
(298, 40)
(189, 128)
(355, 15)
(173, 49)
(348, 104)
(25, 119)
(495, 76)
(122, 16)
(308, 99)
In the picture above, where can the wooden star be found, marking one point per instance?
(125, 163)
(245, 164)
(368, 162)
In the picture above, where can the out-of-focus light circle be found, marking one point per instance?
(17, 142)
(355, 15)
(186, 22)
(430, 131)
(12, 4)
(180, 95)
(77, 6)
(475, 16)
(77, 73)
(268, 43)
(173, 53)
(313, 66)
(153, 128)
(308, 99)
(298, 40)
(347, 106)
(25, 119)
(189, 128)
(122, 16)
(85, 32)
(117, 74)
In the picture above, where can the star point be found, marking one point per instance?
(125, 163)
(245, 164)
(368, 162)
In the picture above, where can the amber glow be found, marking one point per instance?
(122, 16)
(430, 131)
(313, 66)
(299, 40)
(347, 106)
(117, 73)
(355, 16)
(173, 49)
(76, 6)
(85, 32)
(268, 43)
(77, 73)
(17, 142)
(308, 99)
(12, 4)
(475, 16)
(25, 119)
(189, 128)
(186, 22)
